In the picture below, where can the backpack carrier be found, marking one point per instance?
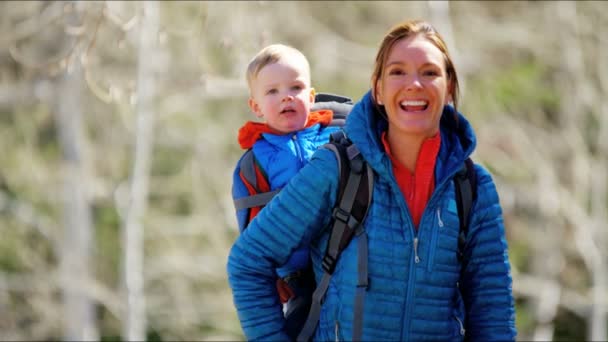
(352, 203)
(254, 177)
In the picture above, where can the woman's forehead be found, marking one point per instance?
(415, 49)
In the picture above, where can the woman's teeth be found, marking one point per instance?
(414, 105)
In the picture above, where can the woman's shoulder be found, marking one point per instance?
(484, 178)
(487, 202)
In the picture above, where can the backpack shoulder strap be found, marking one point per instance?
(247, 166)
(465, 183)
(254, 178)
(354, 196)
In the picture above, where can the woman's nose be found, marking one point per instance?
(413, 83)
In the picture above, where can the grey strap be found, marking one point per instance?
(256, 200)
(352, 151)
(248, 169)
(340, 224)
(362, 284)
(315, 309)
(363, 276)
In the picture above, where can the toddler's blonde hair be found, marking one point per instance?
(272, 54)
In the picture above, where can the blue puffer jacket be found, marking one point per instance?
(406, 299)
(281, 156)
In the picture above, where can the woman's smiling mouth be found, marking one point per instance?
(414, 105)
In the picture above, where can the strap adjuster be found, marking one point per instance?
(341, 215)
(328, 264)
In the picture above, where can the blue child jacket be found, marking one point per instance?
(281, 157)
(408, 298)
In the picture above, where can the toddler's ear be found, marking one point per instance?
(312, 95)
(255, 107)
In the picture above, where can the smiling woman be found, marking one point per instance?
(444, 279)
(414, 88)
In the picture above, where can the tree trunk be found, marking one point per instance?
(79, 310)
(135, 323)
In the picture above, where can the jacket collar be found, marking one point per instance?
(253, 131)
(364, 126)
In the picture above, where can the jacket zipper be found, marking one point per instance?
(434, 237)
(294, 137)
(416, 258)
(337, 330)
(405, 332)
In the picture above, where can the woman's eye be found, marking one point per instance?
(430, 73)
(396, 72)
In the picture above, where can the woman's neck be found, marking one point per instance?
(405, 148)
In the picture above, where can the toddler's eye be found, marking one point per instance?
(297, 87)
(271, 91)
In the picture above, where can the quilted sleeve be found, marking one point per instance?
(486, 283)
(295, 217)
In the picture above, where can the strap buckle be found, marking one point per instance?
(328, 264)
(341, 215)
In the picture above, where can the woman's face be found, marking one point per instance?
(414, 87)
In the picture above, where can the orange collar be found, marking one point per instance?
(252, 131)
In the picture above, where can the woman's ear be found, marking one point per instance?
(450, 98)
(377, 91)
(255, 107)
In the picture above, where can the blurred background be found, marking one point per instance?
(118, 125)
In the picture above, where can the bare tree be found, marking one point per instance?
(134, 328)
(589, 166)
(79, 310)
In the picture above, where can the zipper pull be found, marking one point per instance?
(439, 217)
(462, 331)
(337, 330)
(416, 258)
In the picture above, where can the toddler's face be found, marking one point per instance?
(282, 95)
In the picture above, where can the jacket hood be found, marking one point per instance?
(365, 125)
(252, 131)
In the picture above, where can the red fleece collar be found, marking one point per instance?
(417, 187)
(252, 131)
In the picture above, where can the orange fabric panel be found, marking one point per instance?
(252, 131)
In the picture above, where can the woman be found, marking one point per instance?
(408, 130)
